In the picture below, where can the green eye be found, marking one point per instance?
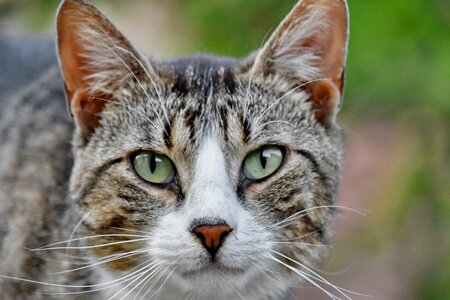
(263, 162)
(153, 167)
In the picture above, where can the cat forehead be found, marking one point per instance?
(201, 94)
(215, 86)
(200, 74)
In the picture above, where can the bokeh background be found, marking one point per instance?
(396, 113)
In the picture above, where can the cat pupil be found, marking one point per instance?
(152, 163)
(263, 159)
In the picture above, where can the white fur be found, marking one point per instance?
(211, 195)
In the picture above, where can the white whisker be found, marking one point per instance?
(285, 95)
(128, 107)
(320, 278)
(304, 211)
(164, 282)
(155, 281)
(140, 84)
(93, 246)
(88, 237)
(129, 277)
(127, 229)
(131, 290)
(252, 73)
(103, 261)
(239, 294)
(304, 276)
(158, 92)
(299, 244)
(277, 121)
(145, 281)
(107, 284)
(84, 217)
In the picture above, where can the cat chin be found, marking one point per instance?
(225, 283)
(213, 270)
(213, 283)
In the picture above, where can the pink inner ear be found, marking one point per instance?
(86, 107)
(324, 98)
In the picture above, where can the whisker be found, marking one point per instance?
(303, 211)
(137, 278)
(73, 286)
(256, 122)
(252, 73)
(164, 282)
(237, 292)
(129, 277)
(304, 276)
(102, 261)
(284, 96)
(93, 246)
(140, 84)
(277, 121)
(145, 281)
(158, 92)
(319, 277)
(300, 244)
(127, 106)
(86, 238)
(83, 218)
(127, 229)
(263, 270)
(155, 281)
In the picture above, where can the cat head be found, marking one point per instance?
(219, 174)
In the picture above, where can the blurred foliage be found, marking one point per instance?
(398, 69)
(36, 14)
(234, 27)
(398, 57)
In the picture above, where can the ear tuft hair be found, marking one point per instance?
(95, 59)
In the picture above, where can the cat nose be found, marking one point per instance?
(212, 236)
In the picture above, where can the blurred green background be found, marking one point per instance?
(396, 113)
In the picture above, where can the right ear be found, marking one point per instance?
(95, 60)
(309, 49)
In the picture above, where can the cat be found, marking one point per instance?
(203, 177)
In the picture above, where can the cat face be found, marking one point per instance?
(213, 175)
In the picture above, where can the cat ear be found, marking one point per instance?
(309, 48)
(95, 59)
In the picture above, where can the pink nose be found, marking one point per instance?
(212, 236)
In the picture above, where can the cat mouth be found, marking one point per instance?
(213, 269)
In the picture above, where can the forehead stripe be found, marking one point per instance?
(167, 133)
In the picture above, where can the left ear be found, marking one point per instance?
(95, 60)
(309, 48)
